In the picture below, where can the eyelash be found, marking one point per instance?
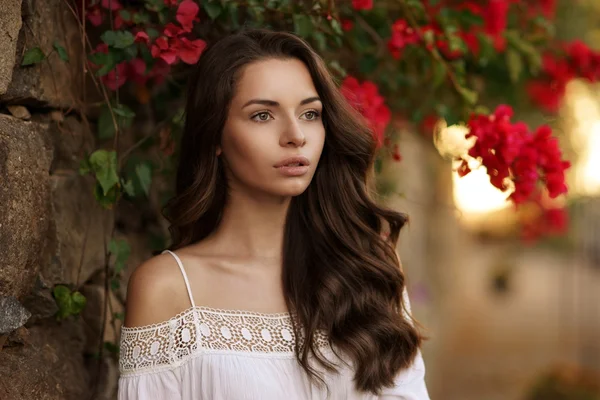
(317, 115)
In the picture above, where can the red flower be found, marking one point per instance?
(347, 25)
(172, 30)
(116, 77)
(95, 15)
(366, 99)
(402, 35)
(112, 5)
(396, 156)
(511, 151)
(142, 37)
(362, 4)
(548, 8)
(495, 16)
(190, 50)
(186, 14)
(164, 49)
(171, 3)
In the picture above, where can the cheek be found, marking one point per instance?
(245, 149)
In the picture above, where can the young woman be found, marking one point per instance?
(280, 282)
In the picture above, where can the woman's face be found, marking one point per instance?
(275, 114)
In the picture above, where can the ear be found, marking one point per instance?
(219, 151)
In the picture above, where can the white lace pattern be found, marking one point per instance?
(204, 330)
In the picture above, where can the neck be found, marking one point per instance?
(252, 226)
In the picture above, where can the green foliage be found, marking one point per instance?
(33, 56)
(120, 250)
(69, 302)
(61, 51)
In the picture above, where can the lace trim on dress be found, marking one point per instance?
(205, 330)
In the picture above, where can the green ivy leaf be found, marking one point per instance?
(109, 37)
(121, 250)
(106, 200)
(106, 127)
(514, 61)
(534, 58)
(104, 165)
(439, 73)
(33, 56)
(68, 302)
(119, 316)
(321, 40)
(213, 10)
(143, 172)
(128, 187)
(107, 62)
(61, 51)
(141, 18)
(126, 15)
(123, 111)
(85, 167)
(111, 347)
(118, 39)
(337, 27)
(78, 303)
(302, 25)
(367, 64)
(470, 96)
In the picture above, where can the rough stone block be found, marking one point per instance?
(24, 203)
(10, 25)
(75, 214)
(49, 367)
(54, 82)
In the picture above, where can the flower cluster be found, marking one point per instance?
(510, 151)
(166, 49)
(494, 20)
(366, 99)
(402, 35)
(580, 61)
(548, 221)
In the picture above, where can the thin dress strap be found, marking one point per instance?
(185, 278)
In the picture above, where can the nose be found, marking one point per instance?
(292, 134)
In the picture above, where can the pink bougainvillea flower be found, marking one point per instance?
(162, 48)
(186, 14)
(190, 50)
(365, 98)
(142, 37)
(172, 30)
(116, 77)
(402, 35)
(362, 4)
(347, 25)
(113, 5)
(95, 15)
(510, 150)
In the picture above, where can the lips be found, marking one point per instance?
(297, 161)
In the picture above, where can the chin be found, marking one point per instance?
(291, 189)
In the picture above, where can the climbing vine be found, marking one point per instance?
(410, 62)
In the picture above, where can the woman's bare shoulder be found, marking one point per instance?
(155, 292)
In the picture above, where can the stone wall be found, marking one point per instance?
(51, 229)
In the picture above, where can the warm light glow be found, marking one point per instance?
(583, 104)
(474, 194)
(590, 162)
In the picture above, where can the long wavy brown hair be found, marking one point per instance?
(341, 275)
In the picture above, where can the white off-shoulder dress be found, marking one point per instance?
(210, 354)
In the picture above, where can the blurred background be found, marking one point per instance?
(508, 290)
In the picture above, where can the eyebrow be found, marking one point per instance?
(276, 104)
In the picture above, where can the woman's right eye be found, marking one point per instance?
(261, 116)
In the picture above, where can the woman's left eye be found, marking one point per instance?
(311, 115)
